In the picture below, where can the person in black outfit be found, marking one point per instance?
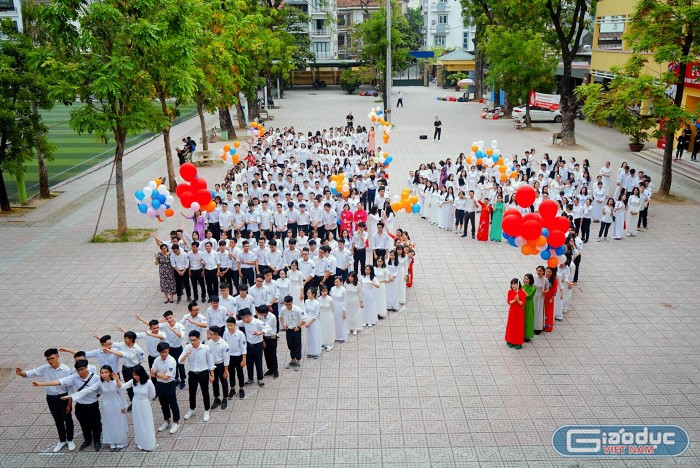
(682, 145)
(438, 128)
(696, 146)
(349, 119)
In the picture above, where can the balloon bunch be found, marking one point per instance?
(376, 114)
(338, 180)
(229, 154)
(492, 157)
(383, 158)
(406, 202)
(256, 129)
(542, 233)
(194, 194)
(154, 200)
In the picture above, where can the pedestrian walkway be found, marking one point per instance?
(434, 385)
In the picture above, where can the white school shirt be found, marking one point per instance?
(181, 261)
(271, 323)
(75, 382)
(224, 259)
(343, 258)
(274, 260)
(382, 241)
(219, 351)
(261, 295)
(189, 326)
(280, 220)
(132, 356)
(48, 373)
(211, 261)
(289, 255)
(255, 325)
(216, 318)
(200, 359)
(195, 260)
(171, 338)
(225, 219)
(237, 344)
(165, 367)
(104, 358)
(151, 342)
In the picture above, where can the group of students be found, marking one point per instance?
(451, 195)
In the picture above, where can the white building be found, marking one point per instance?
(443, 26)
(12, 9)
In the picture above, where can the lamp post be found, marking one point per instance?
(387, 113)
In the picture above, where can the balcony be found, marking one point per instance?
(322, 32)
(7, 5)
(440, 6)
(325, 55)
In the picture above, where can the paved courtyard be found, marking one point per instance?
(434, 385)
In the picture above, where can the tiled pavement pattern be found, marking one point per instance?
(434, 385)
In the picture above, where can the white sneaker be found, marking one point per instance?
(206, 416)
(189, 414)
(71, 445)
(59, 446)
(163, 426)
(174, 428)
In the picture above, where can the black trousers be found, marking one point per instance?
(270, 352)
(437, 133)
(151, 360)
(255, 359)
(128, 374)
(604, 229)
(585, 229)
(577, 262)
(363, 200)
(200, 379)
(469, 216)
(90, 421)
(63, 420)
(577, 225)
(371, 195)
(342, 273)
(197, 278)
(219, 377)
(248, 276)
(643, 218)
(276, 312)
(233, 278)
(294, 343)
(168, 400)
(359, 256)
(399, 103)
(183, 282)
(180, 368)
(212, 280)
(235, 370)
(215, 229)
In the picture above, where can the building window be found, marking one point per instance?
(322, 49)
(610, 31)
(7, 5)
(439, 40)
(341, 40)
(443, 1)
(442, 19)
(466, 41)
(343, 20)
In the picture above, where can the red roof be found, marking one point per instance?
(370, 4)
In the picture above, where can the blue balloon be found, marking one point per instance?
(232, 151)
(143, 208)
(139, 194)
(161, 198)
(545, 232)
(334, 191)
(212, 194)
(511, 241)
(388, 160)
(479, 154)
(505, 236)
(155, 204)
(416, 208)
(560, 250)
(494, 158)
(544, 255)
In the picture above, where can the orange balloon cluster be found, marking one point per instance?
(376, 114)
(340, 185)
(406, 202)
(256, 129)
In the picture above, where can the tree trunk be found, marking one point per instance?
(666, 167)
(528, 122)
(507, 108)
(172, 183)
(122, 227)
(44, 191)
(382, 87)
(281, 89)
(478, 71)
(4, 199)
(202, 126)
(241, 116)
(567, 105)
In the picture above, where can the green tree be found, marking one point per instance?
(517, 70)
(99, 53)
(669, 30)
(372, 33)
(350, 81)
(22, 91)
(412, 27)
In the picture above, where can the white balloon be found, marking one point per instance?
(494, 144)
(153, 184)
(562, 259)
(480, 143)
(161, 209)
(387, 130)
(395, 198)
(162, 189)
(520, 241)
(169, 199)
(333, 184)
(195, 206)
(148, 191)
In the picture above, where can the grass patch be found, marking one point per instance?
(671, 199)
(16, 211)
(132, 235)
(534, 129)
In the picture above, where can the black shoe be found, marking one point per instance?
(128, 409)
(97, 446)
(216, 403)
(231, 393)
(463, 235)
(189, 299)
(224, 404)
(84, 445)
(204, 300)
(179, 298)
(275, 374)
(241, 394)
(195, 299)
(269, 372)
(261, 383)
(182, 385)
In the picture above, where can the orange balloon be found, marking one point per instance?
(489, 152)
(374, 119)
(408, 209)
(169, 212)
(236, 159)
(525, 249)
(475, 148)
(502, 169)
(413, 200)
(540, 241)
(513, 175)
(504, 177)
(223, 156)
(396, 206)
(227, 148)
(478, 162)
(552, 262)
(236, 144)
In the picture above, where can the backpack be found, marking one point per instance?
(193, 146)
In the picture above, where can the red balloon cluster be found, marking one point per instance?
(542, 233)
(194, 194)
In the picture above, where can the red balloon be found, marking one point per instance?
(511, 225)
(198, 184)
(532, 217)
(561, 223)
(556, 239)
(525, 196)
(203, 197)
(531, 230)
(186, 199)
(512, 211)
(188, 171)
(182, 188)
(548, 209)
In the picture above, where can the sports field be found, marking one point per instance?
(74, 153)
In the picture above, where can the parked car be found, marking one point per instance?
(537, 114)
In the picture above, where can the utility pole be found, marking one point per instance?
(387, 113)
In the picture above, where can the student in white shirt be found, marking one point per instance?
(201, 372)
(163, 370)
(270, 340)
(219, 350)
(237, 356)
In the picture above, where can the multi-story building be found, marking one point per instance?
(12, 9)
(443, 26)
(322, 26)
(350, 14)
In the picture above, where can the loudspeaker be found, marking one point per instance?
(423, 137)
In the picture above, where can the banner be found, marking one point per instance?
(692, 73)
(545, 101)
